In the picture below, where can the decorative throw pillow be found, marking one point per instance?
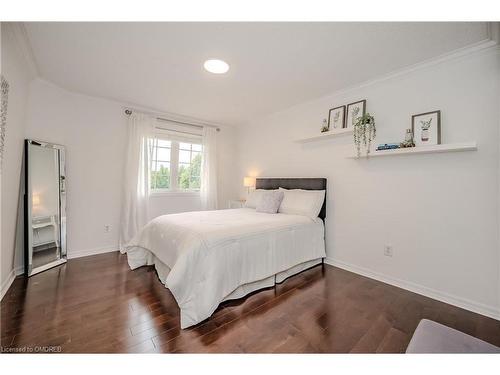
(254, 198)
(270, 202)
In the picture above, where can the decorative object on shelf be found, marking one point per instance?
(364, 132)
(336, 117)
(408, 142)
(409, 135)
(325, 126)
(3, 113)
(354, 112)
(426, 128)
(249, 182)
(387, 146)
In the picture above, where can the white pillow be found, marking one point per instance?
(302, 202)
(270, 202)
(254, 198)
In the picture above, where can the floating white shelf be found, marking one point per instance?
(325, 135)
(450, 147)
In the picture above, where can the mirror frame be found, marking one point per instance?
(28, 203)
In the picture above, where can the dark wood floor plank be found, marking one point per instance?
(394, 341)
(97, 304)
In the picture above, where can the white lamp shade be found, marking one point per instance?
(249, 181)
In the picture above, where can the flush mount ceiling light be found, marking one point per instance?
(216, 66)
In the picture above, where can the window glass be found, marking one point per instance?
(172, 158)
(163, 154)
(189, 166)
(160, 164)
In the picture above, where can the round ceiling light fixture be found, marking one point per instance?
(216, 66)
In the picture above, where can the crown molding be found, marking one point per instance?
(479, 47)
(18, 34)
(488, 45)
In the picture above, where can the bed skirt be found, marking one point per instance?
(163, 270)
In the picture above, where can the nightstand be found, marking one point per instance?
(237, 203)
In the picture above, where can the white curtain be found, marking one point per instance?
(209, 169)
(136, 185)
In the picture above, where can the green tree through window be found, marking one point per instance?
(189, 176)
(175, 165)
(160, 179)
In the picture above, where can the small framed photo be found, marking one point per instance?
(354, 111)
(336, 118)
(426, 128)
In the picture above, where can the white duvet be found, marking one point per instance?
(209, 254)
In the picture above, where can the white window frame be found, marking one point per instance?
(174, 167)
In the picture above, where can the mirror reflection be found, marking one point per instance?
(44, 232)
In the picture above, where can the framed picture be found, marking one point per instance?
(426, 128)
(336, 118)
(354, 111)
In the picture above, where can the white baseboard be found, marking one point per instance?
(87, 252)
(19, 270)
(7, 283)
(463, 303)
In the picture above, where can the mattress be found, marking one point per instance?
(207, 257)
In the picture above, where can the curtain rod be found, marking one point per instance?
(128, 112)
(179, 131)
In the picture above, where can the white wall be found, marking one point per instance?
(94, 133)
(17, 72)
(438, 211)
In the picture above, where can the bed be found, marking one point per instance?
(208, 257)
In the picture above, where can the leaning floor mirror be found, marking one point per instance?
(44, 206)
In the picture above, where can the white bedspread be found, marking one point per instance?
(211, 253)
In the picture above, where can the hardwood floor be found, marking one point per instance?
(97, 304)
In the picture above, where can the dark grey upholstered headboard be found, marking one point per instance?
(294, 183)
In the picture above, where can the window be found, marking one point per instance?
(175, 165)
(160, 163)
(189, 166)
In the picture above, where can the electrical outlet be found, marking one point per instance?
(388, 250)
(107, 228)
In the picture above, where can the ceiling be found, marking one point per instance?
(272, 65)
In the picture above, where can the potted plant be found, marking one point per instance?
(364, 132)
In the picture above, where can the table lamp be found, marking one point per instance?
(248, 182)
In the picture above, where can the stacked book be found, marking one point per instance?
(387, 146)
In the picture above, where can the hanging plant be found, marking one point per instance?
(364, 132)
